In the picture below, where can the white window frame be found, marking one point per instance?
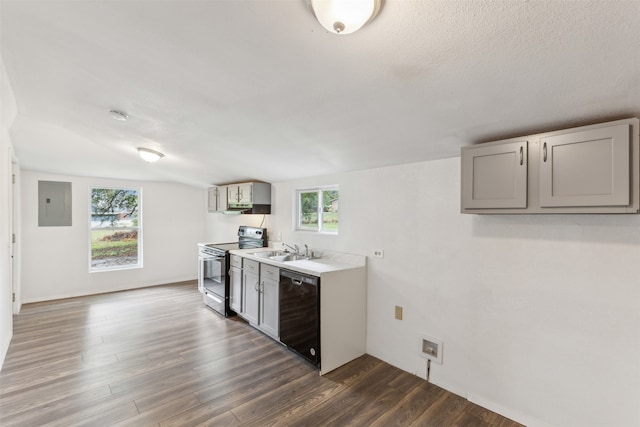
(139, 264)
(298, 208)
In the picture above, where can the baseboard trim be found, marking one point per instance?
(61, 297)
(505, 411)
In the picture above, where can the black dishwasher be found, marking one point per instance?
(300, 314)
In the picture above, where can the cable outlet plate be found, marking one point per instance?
(431, 348)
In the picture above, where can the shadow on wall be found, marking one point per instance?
(620, 229)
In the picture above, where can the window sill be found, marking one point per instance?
(115, 268)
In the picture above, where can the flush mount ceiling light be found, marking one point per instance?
(345, 16)
(118, 115)
(149, 155)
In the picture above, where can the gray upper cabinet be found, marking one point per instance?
(495, 176)
(217, 199)
(248, 198)
(240, 194)
(590, 169)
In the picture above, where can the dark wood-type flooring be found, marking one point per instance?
(158, 357)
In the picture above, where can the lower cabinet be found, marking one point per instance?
(255, 291)
(250, 291)
(235, 287)
(269, 300)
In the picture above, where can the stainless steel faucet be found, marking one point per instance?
(294, 247)
(306, 250)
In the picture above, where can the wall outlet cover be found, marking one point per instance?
(398, 314)
(431, 348)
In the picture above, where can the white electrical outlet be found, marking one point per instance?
(378, 253)
(398, 312)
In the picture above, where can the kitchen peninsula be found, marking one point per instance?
(343, 300)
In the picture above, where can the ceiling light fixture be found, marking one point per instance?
(149, 155)
(345, 16)
(118, 115)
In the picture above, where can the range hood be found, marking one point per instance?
(237, 209)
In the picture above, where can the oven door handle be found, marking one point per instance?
(213, 297)
(210, 257)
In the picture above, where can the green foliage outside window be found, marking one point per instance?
(309, 210)
(115, 221)
(318, 210)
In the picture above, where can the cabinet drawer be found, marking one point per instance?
(269, 272)
(236, 261)
(251, 265)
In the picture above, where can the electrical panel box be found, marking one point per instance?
(54, 203)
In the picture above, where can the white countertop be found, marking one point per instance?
(328, 261)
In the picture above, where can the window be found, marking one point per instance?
(115, 229)
(318, 209)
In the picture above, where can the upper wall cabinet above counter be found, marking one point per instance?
(589, 169)
(243, 198)
(217, 198)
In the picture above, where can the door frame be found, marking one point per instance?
(14, 225)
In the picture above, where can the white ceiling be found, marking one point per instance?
(238, 90)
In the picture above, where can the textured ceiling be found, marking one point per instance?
(237, 90)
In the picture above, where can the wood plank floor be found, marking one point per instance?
(158, 357)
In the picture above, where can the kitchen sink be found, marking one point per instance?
(282, 256)
(288, 257)
(269, 254)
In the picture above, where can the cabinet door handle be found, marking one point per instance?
(544, 152)
(261, 288)
(256, 287)
(521, 155)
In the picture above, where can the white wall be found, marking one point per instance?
(56, 259)
(8, 113)
(221, 228)
(539, 315)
